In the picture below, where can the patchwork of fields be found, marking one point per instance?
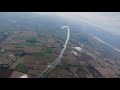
(27, 53)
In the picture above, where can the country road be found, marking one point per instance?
(57, 61)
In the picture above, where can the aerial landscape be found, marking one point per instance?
(59, 45)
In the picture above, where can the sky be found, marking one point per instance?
(109, 21)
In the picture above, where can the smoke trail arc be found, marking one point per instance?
(57, 61)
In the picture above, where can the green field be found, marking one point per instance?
(22, 68)
(31, 40)
(38, 54)
(48, 51)
(25, 44)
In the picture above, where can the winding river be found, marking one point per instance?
(57, 61)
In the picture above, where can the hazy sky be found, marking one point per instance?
(109, 21)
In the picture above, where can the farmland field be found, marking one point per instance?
(56, 45)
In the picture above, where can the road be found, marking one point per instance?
(57, 61)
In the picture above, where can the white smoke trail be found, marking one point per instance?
(57, 61)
